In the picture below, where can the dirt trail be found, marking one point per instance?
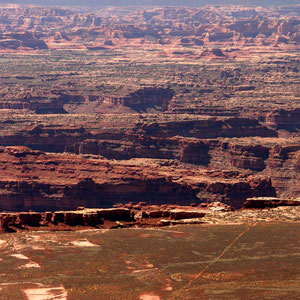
(221, 255)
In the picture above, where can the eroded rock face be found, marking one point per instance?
(144, 99)
(84, 217)
(166, 140)
(21, 39)
(32, 218)
(178, 214)
(285, 119)
(38, 102)
(251, 157)
(283, 164)
(54, 182)
(20, 151)
(209, 128)
(200, 118)
(183, 141)
(265, 202)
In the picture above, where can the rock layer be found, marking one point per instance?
(39, 181)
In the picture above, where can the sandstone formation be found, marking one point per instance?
(263, 202)
(143, 99)
(148, 106)
(285, 119)
(197, 26)
(16, 40)
(100, 218)
(183, 214)
(241, 145)
(78, 181)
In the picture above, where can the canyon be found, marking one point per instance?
(161, 105)
(149, 152)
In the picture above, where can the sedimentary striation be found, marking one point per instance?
(35, 180)
(169, 105)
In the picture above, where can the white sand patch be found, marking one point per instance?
(38, 248)
(84, 243)
(19, 247)
(143, 270)
(168, 286)
(2, 243)
(149, 266)
(36, 237)
(57, 293)
(31, 264)
(20, 256)
(149, 297)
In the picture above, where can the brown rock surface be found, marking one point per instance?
(178, 214)
(50, 181)
(210, 113)
(265, 202)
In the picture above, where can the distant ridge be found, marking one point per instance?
(101, 3)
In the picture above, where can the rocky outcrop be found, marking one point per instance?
(213, 53)
(21, 151)
(183, 149)
(31, 218)
(182, 140)
(40, 104)
(44, 138)
(188, 150)
(101, 218)
(186, 141)
(52, 182)
(23, 39)
(144, 99)
(175, 150)
(10, 44)
(178, 214)
(284, 119)
(83, 217)
(269, 202)
(206, 128)
(283, 166)
(251, 157)
(194, 152)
